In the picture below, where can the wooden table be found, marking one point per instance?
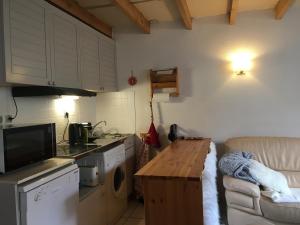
(172, 184)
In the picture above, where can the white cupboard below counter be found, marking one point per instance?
(130, 154)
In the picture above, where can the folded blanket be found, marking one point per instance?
(277, 197)
(269, 178)
(237, 165)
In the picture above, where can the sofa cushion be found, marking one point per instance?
(293, 178)
(278, 153)
(282, 212)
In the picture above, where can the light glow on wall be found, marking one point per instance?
(65, 104)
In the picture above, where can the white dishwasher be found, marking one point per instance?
(51, 200)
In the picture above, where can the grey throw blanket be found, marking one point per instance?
(237, 165)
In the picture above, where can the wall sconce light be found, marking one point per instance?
(241, 62)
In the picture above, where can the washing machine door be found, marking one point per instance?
(119, 182)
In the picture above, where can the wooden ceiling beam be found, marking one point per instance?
(234, 5)
(281, 8)
(134, 14)
(80, 13)
(185, 13)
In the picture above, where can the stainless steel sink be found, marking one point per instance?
(112, 136)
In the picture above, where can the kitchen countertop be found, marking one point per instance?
(80, 151)
(35, 170)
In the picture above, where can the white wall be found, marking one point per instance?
(118, 110)
(48, 110)
(212, 102)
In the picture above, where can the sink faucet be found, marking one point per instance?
(93, 128)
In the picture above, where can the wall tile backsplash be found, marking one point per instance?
(118, 110)
(48, 110)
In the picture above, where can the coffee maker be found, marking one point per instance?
(78, 133)
(75, 133)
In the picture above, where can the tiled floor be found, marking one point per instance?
(134, 215)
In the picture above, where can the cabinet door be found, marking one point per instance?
(130, 167)
(107, 64)
(92, 209)
(65, 69)
(89, 59)
(27, 51)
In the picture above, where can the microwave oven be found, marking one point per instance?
(21, 145)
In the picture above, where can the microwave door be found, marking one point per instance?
(26, 145)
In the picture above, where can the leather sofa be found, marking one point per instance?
(245, 204)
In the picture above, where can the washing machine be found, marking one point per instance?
(115, 183)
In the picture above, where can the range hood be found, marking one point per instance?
(34, 91)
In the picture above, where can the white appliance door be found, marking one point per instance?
(52, 203)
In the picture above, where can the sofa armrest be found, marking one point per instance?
(242, 195)
(241, 186)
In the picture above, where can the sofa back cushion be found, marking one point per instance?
(278, 153)
(293, 178)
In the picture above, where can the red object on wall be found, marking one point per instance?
(132, 80)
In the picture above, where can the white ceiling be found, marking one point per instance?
(166, 10)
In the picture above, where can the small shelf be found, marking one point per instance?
(85, 191)
(164, 85)
(166, 78)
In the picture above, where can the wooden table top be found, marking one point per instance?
(181, 159)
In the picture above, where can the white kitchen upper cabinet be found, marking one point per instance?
(89, 59)
(108, 77)
(26, 43)
(64, 50)
(42, 45)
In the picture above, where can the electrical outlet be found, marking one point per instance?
(66, 115)
(7, 119)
